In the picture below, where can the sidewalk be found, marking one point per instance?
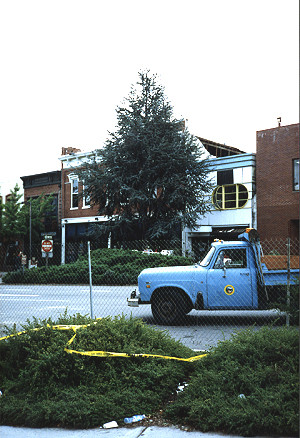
(122, 432)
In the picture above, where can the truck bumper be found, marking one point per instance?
(134, 300)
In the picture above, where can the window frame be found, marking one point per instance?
(72, 179)
(296, 175)
(86, 200)
(221, 204)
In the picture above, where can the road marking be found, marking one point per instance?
(18, 288)
(54, 307)
(18, 295)
(51, 301)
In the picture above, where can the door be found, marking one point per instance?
(229, 280)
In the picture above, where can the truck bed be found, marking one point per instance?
(277, 277)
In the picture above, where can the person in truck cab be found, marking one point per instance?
(223, 260)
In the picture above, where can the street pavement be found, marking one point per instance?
(122, 432)
(201, 330)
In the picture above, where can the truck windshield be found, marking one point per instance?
(208, 257)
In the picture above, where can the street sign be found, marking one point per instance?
(47, 246)
(23, 259)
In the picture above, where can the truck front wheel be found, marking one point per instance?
(168, 307)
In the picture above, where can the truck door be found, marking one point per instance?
(229, 280)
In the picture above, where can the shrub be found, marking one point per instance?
(43, 386)
(109, 266)
(247, 385)
(291, 307)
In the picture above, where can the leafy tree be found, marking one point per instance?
(36, 209)
(11, 225)
(151, 178)
(1, 218)
(16, 216)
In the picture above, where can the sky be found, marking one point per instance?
(230, 68)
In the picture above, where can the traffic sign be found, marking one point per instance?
(23, 259)
(47, 246)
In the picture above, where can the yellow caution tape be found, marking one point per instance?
(54, 327)
(112, 354)
(20, 333)
(103, 353)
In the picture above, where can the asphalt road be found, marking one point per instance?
(201, 329)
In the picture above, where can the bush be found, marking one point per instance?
(291, 307)
(43, 386)
(247, 385)
(109, 266)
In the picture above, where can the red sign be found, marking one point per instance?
(47, 245)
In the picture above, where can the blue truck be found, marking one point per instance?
(231, 276)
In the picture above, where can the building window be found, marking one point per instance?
(224, 177)
(74, 192)
(86, 200)
(230, 196)
(296, 175)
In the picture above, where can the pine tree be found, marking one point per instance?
(151, 179)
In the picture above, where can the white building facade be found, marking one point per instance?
(232, 201)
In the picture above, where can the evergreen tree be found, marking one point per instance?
(149, 179)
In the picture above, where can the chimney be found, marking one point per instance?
(69, 151)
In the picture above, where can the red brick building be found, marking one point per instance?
(277, 179)
(73, 205)
(78, 216)
(48, 183)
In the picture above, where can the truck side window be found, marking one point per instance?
(231, 258)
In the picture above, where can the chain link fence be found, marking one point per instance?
(237, 299)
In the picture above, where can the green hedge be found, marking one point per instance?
(291, 307)
(109, 266)
(43, 386)
(248, 386)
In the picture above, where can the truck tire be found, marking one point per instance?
(168, 307)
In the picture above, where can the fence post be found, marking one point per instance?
(63, 244)
(288, 291)
(90, 279)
